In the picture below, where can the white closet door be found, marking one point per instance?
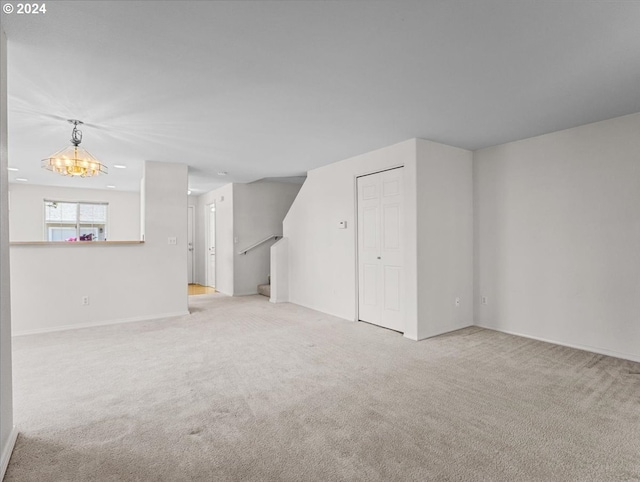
(380, 249)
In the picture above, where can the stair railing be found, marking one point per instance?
(268, 238)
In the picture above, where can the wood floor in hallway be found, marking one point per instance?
(196, 289)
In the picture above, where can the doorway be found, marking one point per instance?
(380, 249)
(190, 241)
(211, 245)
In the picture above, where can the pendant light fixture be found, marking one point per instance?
(74, 160)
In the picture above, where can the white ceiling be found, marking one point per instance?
(273, 89)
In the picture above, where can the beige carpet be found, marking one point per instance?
(246, 390)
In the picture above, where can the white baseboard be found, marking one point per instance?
(7, 451)
(100, 323)
(442, 330)
(577, 346)
(321, 310)
(278, 300)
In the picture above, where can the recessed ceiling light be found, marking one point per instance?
(222, 173)
(119, 166)
(21, 179)
(111, 186)
(12, 169)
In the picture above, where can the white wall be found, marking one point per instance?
(223, 198)
(245, 214)
(123, 282)
(258, 211)
(322, 258)
(280, 271)
(438, 236)
(557, 237)
(7, 430)
(445, 238)
(26, 216)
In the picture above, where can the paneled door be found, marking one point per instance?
(380, 273)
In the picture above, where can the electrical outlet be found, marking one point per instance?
(172, 240)
(85, 300)
(484, 300)
(457, 301)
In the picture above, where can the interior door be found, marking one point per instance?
(190, 236)
(211, 245)
(380, 272)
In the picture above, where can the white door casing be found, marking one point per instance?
(380, 253)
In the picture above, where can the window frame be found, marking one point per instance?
(78, 225)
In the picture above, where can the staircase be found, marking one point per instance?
(265, 290)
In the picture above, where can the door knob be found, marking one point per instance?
(379, 257)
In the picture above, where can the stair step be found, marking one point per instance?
(264, 290)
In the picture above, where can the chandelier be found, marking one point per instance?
(74, 160)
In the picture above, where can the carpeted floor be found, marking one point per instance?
(245, 390)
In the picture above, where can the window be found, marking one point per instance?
(75, 221)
